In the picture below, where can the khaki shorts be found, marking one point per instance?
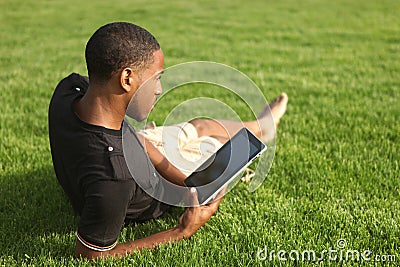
(181, 145)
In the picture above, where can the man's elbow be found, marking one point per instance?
(86, 253)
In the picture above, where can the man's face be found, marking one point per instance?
(146, 95)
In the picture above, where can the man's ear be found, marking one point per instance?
(127, 80)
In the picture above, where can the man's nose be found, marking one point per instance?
(158, 89)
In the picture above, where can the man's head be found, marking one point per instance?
(116, 46)
(128, 57)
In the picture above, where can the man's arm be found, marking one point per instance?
(161, 163)
(189, 223)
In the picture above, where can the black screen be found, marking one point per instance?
(225, 163)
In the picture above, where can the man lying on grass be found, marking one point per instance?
(85, 121)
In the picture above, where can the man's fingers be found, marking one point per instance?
(215, 203)
(218, 198)
(194, 198)
(220, 195)
(187, 198)
(222, 192)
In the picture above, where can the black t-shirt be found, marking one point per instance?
(90, 166)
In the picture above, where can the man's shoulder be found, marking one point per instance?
(74, 80)
(62, 121)
(69, 87)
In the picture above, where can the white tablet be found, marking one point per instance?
(225, 164)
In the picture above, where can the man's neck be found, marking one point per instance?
(97, 107)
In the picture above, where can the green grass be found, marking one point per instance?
(336, 170)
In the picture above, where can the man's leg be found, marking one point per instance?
(193, 145)
(223, 130)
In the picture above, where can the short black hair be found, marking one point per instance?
(116, 46)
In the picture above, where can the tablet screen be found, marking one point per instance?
(215, 172)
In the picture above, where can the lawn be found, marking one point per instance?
(336, 174)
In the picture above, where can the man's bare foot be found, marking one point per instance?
(270, 116)
(278, 107)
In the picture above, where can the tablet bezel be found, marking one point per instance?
(207, 192)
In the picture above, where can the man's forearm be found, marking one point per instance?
(122, 249)
(162, 164)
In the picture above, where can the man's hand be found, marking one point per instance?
(196, 216)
